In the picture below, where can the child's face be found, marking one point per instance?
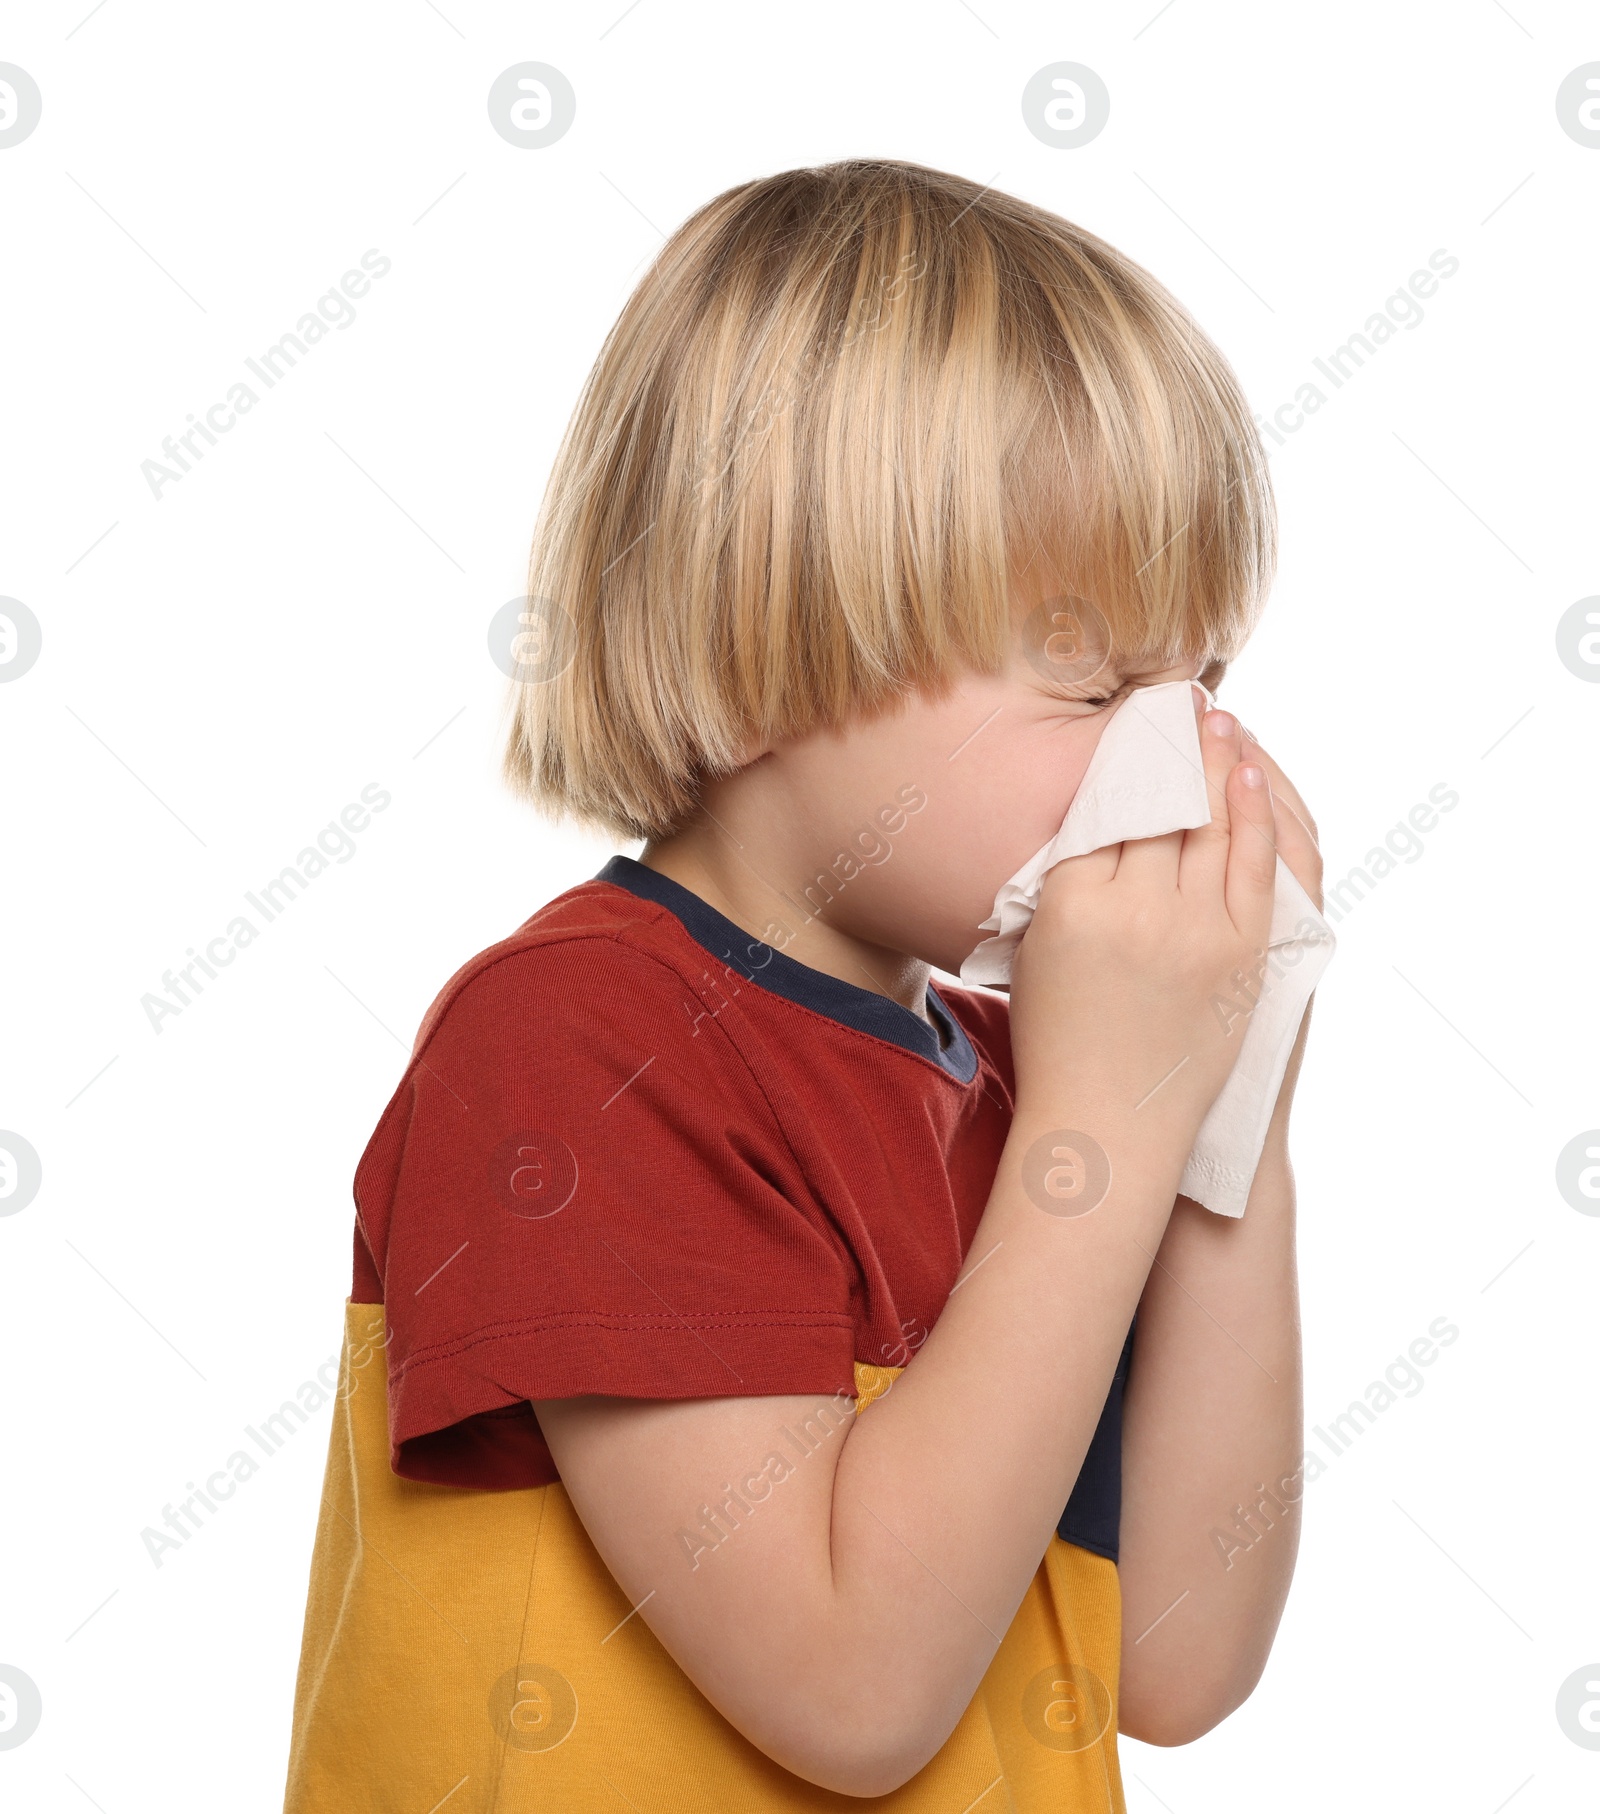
(934, 805)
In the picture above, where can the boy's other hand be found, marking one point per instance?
(1296, 829)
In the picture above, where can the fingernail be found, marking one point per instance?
(1250, 775)
(1221, 723)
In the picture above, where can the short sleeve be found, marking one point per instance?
(581, 1187)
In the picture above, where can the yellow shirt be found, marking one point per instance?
(469, 1651)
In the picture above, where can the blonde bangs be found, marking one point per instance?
(844, 415)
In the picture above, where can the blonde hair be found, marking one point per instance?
(841, 414)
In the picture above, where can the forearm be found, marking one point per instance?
(1212, 1447)
(848, 1626)
(949, 1489)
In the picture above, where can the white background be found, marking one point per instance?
(305, 613)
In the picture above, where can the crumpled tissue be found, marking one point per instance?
(1146, 777)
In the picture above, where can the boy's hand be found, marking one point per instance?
(1114, 984)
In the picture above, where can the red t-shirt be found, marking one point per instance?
(638, 1152)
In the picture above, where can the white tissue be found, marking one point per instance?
(1146, 777)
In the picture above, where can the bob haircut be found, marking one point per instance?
(844, 415)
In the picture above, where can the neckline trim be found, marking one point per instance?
(949, 1048)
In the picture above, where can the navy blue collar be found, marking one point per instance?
(949, 1047)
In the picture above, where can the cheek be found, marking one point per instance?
(1006, 809)
(982, 822)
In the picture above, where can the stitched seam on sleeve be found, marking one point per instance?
(623, 1323)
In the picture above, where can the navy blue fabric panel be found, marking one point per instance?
(1093, 1516)
(948, 1047)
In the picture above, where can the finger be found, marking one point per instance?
(1092, 869)
(1252, 852)
(1284, 790)
(1205, 850)
(1152, 862)
(1296, 831)
(1221, 741)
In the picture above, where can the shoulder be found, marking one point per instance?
(595, 947)
(577, 1159)
(585, 1027)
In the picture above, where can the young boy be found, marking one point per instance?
(723, 1346)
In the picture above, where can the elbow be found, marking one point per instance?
(864, 1780)
(1178, 1718)
(863, 1744)
(1169, 1726)
(862, 1769)
(864, 1762)
(879, 1769)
